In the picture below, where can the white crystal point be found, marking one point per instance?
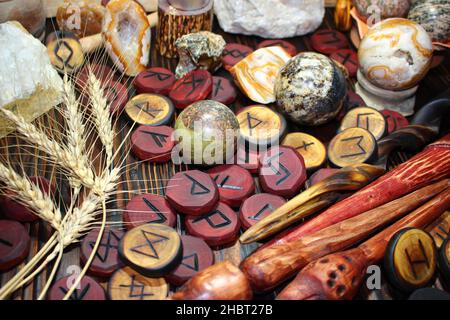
(270, 18)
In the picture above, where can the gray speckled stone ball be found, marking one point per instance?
(310, 89)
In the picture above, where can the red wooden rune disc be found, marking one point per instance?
(328, 41)
(348, 58)
(257, 207)
(233, 53)
(394, 120)
(248, 157)
(102, 72)
(89, 289)
(195, 86)
(155, 80)
(14, 244)
(152, 144)
(116, 95)
(223, 91)
(286, 45)
(354, 100)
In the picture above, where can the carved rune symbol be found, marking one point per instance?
(305, 146)
(252, 122)
(394, 121)
(333, 35)
(256, 217)
(235, 53)
(217, 86)
(159, 75)
(75, 295)
(159, 138)
(193, 82)
(111, 94)
(359, 121)
(284, 171)
(363, 151)
(223, 184)
(110, 244)
(191, 262)
(136, 285)
(151, 238)
(60, 49)
(161, 217)
(5, 242)
(145, 106)
(209, 218)
(197, 188)
(413, 263)
(346, 58)
(441, 232)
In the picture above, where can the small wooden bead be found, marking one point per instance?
(195, 86)
(192, 192)
(148, 208)
(366, 118)
(151, 249)
(310, 148)
(153, 144)
(223, 91)
(128, 284)
(220, 227)
(257, 207)
(411, 259)
(65, 51)
(150, 109)
(106, 259)
(348, 58)
(14, 244)
(394, 120)
(155, 80)
(89, 289)
(233, 53)
(289, 47)
(328, 41)
(196, 257)
(352, 146)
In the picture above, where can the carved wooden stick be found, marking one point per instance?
(338, 276)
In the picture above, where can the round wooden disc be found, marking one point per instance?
(196, 257)
(192, 192)
(257, 207)
(310, 148)
(352, 146)
(116, 96)
(14, 244)
(410, 259)
(153, 144)
(127, 284)
(354, 100)
(151, 249)
(65, 51)
(328, 41)
(233, 53)
(247, 157)
(220, 227)
(440, 229)
(289, 47)
(106, 259)
(282, 172)
(150, 109)
(195, 86)
(444, 260)
(235, 184)
(155, 80)
(366, 118)
(89, 289)
(148, 208)
(223, 91)
(394, 120)
(102, 72)
(348, 58)
(261, 125)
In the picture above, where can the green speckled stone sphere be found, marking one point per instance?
(433, 16)
(208, 131)
(310, 89)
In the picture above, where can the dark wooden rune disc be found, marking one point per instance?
(128, 284)
(366, 118)
(106, 259)
(148, 208)
(150, 109)
(394, 120)
(310, 148)
(257, 207)
(286, 45)
(282, 171)
(354, 100)
(101, 71)
(444, 260)
(223, 91)
(411, 259)
(65, 51)
(348, 58)
(14, 244)
(260, 125)
(153, 144)
(440, 229)
(151, 249)
(247, 157)
(328, 41)
(116, 96)
(196, 256)
(155, 80)
(352, 146)
(195, 86)
(235, 184)
(220, 227)
(89, 289)
(192, 192)
(233, 53)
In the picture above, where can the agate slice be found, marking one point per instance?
(256, 74)
(434, 17)
(90, 17)
(126, 33)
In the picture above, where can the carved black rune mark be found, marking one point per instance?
(111, 94)
(75, 295)
(413, 263)
(360, 139)
(161, 217)
(235, 53)
(256, 217)
(61, 46)
(5, 242)
(252, 122)
(145, 107)
(305, 146)
(209, 218)
(191, 262)
(442, 233)
(108, 246)
(285, 173)
(197, 188)
(335, 38)
(346, 58)
(217, 86)
(149, 242)
(159, 138)
(359, 119)
(193, 82)
(223, 184)
(159, 75)
(141, 294)
(394, 120)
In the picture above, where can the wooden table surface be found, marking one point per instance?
(146, 177)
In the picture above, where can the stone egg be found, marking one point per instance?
(386, 8)
(434, 17)
(207, 133)
(310, 89)
(395, 54)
